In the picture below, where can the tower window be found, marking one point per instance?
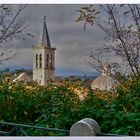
(47, 63)
(36, 60)
(40, 60)
(51, 65)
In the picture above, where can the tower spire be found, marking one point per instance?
(44, 37)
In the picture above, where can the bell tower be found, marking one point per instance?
(44, 58)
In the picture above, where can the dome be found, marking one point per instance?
(104, 83)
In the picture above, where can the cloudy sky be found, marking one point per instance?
(72, 43)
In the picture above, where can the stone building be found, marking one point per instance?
(105, 82)
(44, 59)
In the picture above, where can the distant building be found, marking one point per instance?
(44, 59)
(23, 77)
(105, 82)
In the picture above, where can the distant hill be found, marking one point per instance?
(76, 76)
(29, 72)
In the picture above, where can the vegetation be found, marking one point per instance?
(13, 26)
(120, 25)
(60, 107)
(118, 113)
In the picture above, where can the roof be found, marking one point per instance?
(23, 77)
(104, 83)
(44, 37)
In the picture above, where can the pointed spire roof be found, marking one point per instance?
(44, 37)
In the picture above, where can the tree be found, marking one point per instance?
(121, 25)
(12, 26)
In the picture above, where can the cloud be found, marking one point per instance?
(72, 43)
(23, 59)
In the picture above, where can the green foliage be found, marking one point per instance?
(59, 107)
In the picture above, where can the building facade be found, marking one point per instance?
(44, 59)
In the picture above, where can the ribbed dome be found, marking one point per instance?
(104, 83)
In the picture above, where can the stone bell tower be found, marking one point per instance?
(44, 59)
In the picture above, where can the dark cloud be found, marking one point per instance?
(72, 42)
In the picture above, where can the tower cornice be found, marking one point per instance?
(42, 47)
